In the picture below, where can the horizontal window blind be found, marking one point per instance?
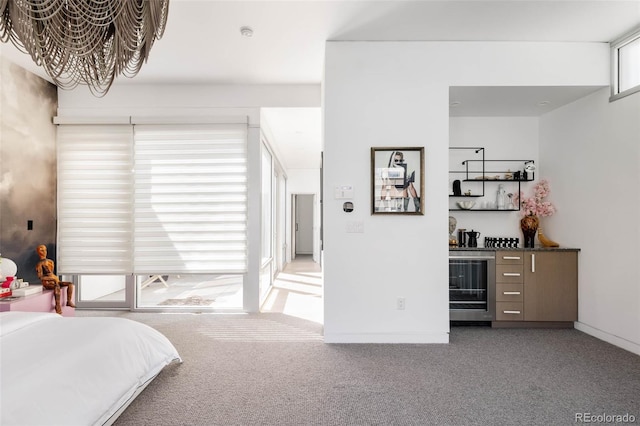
(190, 199)
(94, 199)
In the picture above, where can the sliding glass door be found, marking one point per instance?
(154, 216)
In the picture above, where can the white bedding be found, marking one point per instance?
(58, 370)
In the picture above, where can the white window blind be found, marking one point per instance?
(190, 199)
(94, 199)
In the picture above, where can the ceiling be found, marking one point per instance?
(202, 43)
(518, 101)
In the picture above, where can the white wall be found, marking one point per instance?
(397, 94)
(591, 148)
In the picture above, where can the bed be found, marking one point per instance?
(58, 370)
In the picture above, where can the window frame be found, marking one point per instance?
(616, 45)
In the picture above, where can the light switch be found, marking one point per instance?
(343, 191)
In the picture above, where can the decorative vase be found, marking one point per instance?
(529, 225)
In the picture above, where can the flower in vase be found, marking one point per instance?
(535, 206)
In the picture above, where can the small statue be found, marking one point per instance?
(453, 242)
(508, 175)
(456, 187)
(44, 269)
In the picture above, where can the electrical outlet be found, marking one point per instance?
(355, 226)
(400, 302)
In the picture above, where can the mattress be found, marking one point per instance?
(58, 370)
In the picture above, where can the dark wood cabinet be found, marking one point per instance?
(551, 286)
(536, 288)
(509, 286)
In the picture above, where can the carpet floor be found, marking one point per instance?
(273, 369)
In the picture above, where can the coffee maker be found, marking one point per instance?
(473, 238)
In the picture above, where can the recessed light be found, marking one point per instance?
(455, 104)
(543, 103)
(246, 31)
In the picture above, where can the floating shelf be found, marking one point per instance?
(483, 210)
(470, 174)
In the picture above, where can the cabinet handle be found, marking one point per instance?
(511, 257)
(533, 262)
(510, 292)
(511, 312)
(511, 274)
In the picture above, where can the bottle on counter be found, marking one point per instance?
(500, 197)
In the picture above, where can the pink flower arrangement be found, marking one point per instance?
(534, 206)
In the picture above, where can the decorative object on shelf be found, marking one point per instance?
(88, 42)
(500, 197)
(532, 209)
(462, 237)
(466, 205)
(546, 242)
(456, 187)
(530, 167)
(397, 177)
(529, 226)
(50, 281)
(501, 242)
(8, 268)
(453, 242)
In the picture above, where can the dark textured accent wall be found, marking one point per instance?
(27, 166)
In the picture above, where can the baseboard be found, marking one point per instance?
(393, 338)
(609, 338)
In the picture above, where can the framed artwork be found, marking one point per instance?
(397, 180)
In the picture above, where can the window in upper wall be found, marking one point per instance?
(625, 65)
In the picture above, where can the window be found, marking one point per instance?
(94, 193)
(190, 199)
(267, 205)
(625, 65)
(152, 199)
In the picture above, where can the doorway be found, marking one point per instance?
(302, 242)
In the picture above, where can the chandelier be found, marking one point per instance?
(84, 41)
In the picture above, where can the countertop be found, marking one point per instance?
(513, 249)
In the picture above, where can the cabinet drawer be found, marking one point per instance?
(509, 292)
(509, 257)
(509, 311)
(509, 274)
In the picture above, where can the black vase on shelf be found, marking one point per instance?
(457, 190)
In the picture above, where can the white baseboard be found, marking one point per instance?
(609, 338)
(392, 338)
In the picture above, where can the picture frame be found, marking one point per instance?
(397, 180)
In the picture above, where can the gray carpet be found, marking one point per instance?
(270, 369)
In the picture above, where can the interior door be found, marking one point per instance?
(304, 224)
